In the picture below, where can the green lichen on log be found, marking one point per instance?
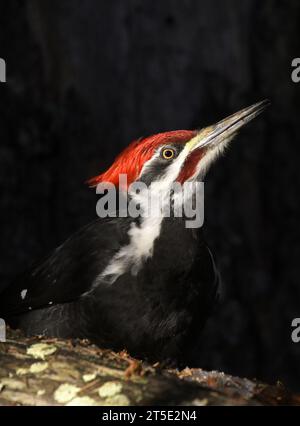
(39, 371)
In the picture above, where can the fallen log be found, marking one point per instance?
(41, 371)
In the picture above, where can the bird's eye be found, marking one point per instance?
(168, 153)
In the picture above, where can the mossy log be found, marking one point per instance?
(39, 371)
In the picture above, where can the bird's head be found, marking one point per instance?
(176, 156)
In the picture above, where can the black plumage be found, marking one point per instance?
(153, 301)
(157, 314)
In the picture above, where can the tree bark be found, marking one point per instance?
(39, 371)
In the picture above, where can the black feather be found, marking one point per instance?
(157, 313)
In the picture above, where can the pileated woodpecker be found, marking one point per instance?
(145, 284)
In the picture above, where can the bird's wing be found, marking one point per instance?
(68, 272)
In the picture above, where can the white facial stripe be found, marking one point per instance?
(211, 156)
(142, 238)
(173, 168)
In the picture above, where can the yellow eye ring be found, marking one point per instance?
(168, 153)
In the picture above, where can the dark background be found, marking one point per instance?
(85, 78)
